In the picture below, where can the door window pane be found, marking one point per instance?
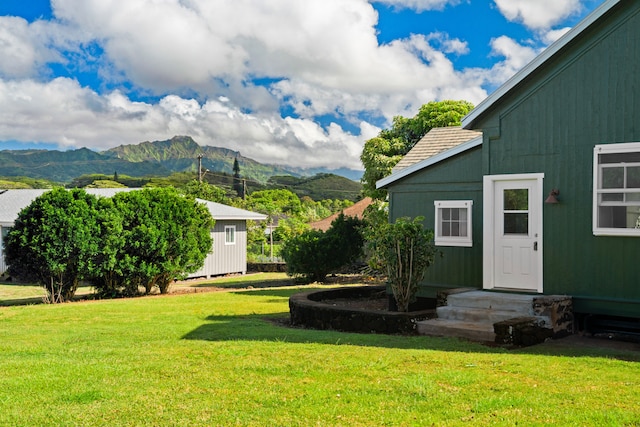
(516, 199)
(516, 211)
(516, 223)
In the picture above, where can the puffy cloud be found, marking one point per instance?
(553, 35)
(224, 71)
(515, 57)
(24, 47)
(419, 5)
(63, 112)
(538, 14)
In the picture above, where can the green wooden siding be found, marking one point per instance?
(459, 178)
(588, 95)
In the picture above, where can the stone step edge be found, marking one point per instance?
(455, 328)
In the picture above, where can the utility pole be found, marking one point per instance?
(200, 168)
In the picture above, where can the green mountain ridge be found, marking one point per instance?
(63, 166)
(156, 158)
(180, 154)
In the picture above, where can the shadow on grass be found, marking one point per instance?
(258, 284)
(276, 328)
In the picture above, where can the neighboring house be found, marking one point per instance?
(356, 211)
(229, 233)
(229, 240)
(547, 201)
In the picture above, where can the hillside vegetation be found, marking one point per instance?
(180, 154)
(162, 163)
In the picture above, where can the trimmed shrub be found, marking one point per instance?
(315, 254)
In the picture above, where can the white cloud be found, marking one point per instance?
(202, 58)
(515, 56)
(538, 14)
(63, 112)
(418, 5)
(24, 47)
(553, 35)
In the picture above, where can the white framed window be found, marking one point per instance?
(453, 222)
(229, 234)
(616, 189)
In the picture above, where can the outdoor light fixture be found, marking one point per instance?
(552, 199)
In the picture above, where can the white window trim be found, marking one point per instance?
(466, 241)
(629, 147)
(229, 227)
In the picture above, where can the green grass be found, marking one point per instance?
(223, 358)
(20, 293)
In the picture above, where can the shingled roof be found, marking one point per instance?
(436, 141)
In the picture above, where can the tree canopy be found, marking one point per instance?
(381, 153)
(274, 202)
(166, 235)
(53, 241)
(138, 238)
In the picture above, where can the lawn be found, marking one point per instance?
(226, 358)
(20, 293)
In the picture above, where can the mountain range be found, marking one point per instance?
(157, 158)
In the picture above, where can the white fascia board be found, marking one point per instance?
(430, 161)
(549, 52)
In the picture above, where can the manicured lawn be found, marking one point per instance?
(223, 358)
(20, 293)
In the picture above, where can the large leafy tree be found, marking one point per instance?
(381, 153)
(274, 202)
(54, 241)
(165, 236)
(206, 191)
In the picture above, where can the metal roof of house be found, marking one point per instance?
(13, 201)
(436, 141)
(470, 119)
(224, 212)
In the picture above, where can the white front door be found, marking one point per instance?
(513, 234)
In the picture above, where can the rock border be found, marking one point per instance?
(313, 309)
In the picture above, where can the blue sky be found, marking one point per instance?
(291, 82)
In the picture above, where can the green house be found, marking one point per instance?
(547, 200)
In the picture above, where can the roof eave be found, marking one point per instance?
(470, 119)
(384, 182)
(238, 218)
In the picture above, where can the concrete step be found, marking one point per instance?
(473, 331)
(519, 303)
(475, 315)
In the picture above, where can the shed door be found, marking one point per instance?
(516, 235)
